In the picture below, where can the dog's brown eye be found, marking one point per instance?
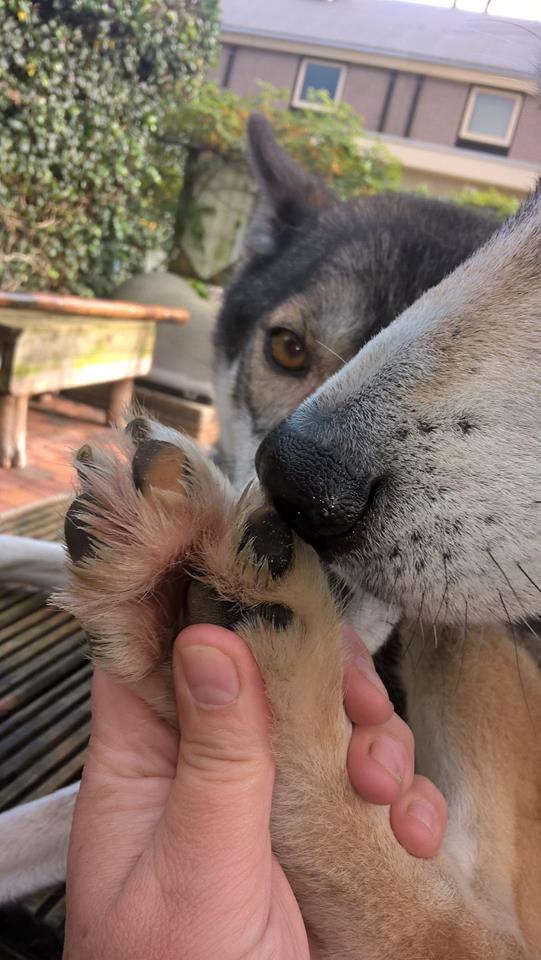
(287, 350)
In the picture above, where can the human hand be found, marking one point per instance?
(170, 852)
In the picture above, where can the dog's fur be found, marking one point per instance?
(443, 405)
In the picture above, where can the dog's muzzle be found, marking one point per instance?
(315, 484)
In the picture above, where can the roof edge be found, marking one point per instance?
(518, 80)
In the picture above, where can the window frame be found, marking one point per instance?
(484, 138)
(297, 101)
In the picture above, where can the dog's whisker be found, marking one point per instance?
(463, 651)
(528, 577)
(423, 647)
(444, 596)
(416, 627)
(517, 661)
(334, 353)
(391, 598)
(523, 618)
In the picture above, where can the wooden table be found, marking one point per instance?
(49, 343)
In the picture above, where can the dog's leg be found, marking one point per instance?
(475, 708)
(362, 896)
(34, 844)
(157, 541)
(31, 563)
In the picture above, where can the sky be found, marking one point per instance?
(517, 9)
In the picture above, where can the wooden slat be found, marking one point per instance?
(45, 527)
(67, 772)
(34, 513)
(43, 649)
(60, 767)
(49, 744)
(20, 634)
(9, 598)
(24, 604)
(44, 720)
(40, 680)
(90, 307)
(55, 700)
(51, 907)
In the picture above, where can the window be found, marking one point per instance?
(490, 117)
(318, 75)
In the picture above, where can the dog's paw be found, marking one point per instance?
(157, 541)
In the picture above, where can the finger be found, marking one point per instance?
(381, 760)
(129, 768)
(419, 818)
(365, 697)
(127, 732)
(218, 812)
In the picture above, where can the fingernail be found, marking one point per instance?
(211, 676)
(424, 812)
(390, 755)
(365, 667)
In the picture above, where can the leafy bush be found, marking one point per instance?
(329, 143)
(84, 85)
(501, 205)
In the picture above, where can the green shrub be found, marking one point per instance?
(501, 205)
(329, 143)
(84, 85)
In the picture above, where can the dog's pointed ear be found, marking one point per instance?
(287, 194)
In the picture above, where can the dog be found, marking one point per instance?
(422, 492)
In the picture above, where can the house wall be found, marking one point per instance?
(439, 111)
(251, 65)
(365, 90)
(399, 106)
(435, 116)
(527, 140)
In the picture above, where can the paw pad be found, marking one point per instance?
(277, 614)
(203, 605)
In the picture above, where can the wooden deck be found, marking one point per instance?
(44, 722)
(56, 428)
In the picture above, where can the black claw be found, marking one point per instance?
(138, 430)
(144, 458)
(79, 541)
(84, 458)
(270, 539)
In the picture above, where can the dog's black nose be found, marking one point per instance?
(313, 484)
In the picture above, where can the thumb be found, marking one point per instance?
(218, 810)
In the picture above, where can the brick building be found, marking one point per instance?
(451, 93)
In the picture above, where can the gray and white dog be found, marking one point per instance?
(408, 454)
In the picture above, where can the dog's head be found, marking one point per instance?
(407, 451)
(416, 467)
(319, 279)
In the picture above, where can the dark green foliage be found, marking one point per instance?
(84, 85)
